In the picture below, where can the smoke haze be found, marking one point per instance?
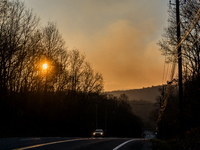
(118, 37)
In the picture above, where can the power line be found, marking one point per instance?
(165, 76)
(191, 16)
(193, 37)
(186, 34)
(184, 13)
(164, 70)
(178, 55)
(186, 24)
(190, 46)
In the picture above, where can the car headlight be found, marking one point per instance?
(101, 133)
(94, 133)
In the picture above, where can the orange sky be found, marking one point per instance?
(118, 37)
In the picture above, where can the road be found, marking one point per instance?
(61, 143)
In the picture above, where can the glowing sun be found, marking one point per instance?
(45, 66)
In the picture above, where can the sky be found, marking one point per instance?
(118, 37)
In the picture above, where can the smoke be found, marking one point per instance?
(125, 55)
(118, 37)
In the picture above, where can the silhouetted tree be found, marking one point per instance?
(18, 27)
(190, 46)
(191, 66)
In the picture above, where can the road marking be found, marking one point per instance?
(116, 148)
(39, 145)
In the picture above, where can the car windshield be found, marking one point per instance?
(99, 130)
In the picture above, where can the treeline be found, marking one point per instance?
(169, 126)
(68, 114)
(61, 100)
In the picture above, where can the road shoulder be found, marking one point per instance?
(147, 145)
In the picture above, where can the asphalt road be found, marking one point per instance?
(61, 143)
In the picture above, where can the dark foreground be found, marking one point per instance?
(58, 143)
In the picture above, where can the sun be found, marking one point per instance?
(45, 66)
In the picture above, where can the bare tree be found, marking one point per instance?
(81, 75)
(25, 47)
(190, 38)
(17, 26)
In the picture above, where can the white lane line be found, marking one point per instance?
(116, 148)
(39, 145)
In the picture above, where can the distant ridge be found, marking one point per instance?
(147, 93)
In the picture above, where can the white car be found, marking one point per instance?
(98, 132)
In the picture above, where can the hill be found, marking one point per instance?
(142, 102)
(147, 94)
(143, 109)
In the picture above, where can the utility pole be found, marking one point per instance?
(106, 120)
(163, 116)
(96, 114)
(179, 69)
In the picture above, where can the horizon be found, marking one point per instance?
(134, 89)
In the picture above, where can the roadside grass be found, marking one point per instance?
(188, 143)
(185, 144)
(191, 140)
(160, 145)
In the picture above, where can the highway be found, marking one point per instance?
(66, 143)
